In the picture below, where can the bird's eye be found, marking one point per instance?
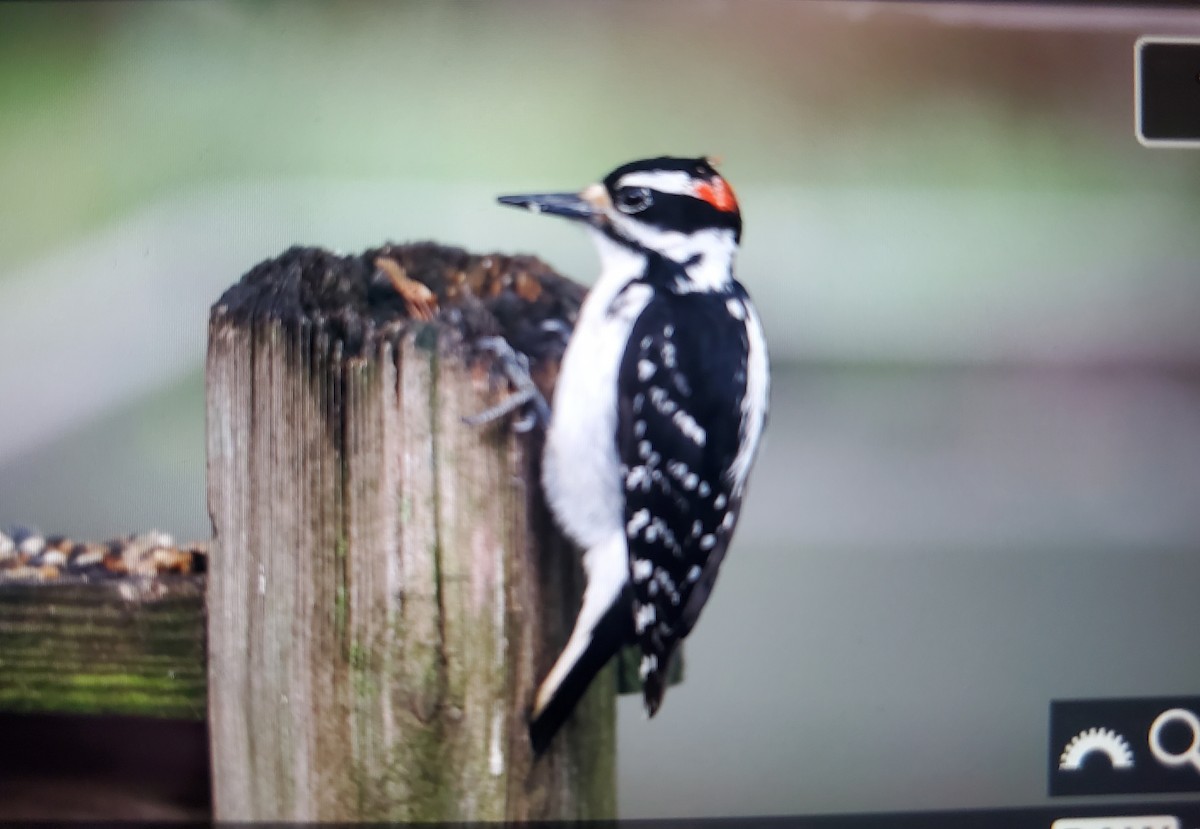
(633, 199)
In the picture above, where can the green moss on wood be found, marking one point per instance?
(340, 548)
(89, 648)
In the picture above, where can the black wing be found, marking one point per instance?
(682, 380)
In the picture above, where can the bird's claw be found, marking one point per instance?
(558, 328)
(515, 367)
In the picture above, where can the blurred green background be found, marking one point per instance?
(981, 482)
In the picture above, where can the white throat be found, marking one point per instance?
(707, 255)
(619, 265)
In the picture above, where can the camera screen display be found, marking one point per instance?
(967, 567)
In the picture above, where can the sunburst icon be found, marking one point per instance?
(1096, 741)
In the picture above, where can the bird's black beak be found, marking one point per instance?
(569, 205)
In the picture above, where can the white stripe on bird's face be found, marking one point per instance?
(676, 182)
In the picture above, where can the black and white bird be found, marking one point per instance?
(656, 418)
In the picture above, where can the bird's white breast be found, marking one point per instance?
(581, 470)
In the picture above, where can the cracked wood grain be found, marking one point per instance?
(385, 588)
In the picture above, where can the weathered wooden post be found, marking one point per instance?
(385, 586)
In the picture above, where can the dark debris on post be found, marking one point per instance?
(354, 300)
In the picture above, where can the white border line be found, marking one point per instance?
(1154, 143)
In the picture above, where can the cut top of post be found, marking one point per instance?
(384, 291)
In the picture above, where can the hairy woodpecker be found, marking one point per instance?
(656, 417)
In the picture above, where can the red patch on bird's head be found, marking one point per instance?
(717, 193)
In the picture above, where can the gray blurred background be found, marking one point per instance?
(980, 488)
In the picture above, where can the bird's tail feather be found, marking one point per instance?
(568, 680)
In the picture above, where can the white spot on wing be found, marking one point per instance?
(645, 617)
(640, 519)
(687, 424)
(642, 568)
(668, 355)
(662, 577)
(637, 479)
(663, 403)
(645, 370)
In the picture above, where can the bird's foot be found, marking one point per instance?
(559, 330)
(515, 367)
